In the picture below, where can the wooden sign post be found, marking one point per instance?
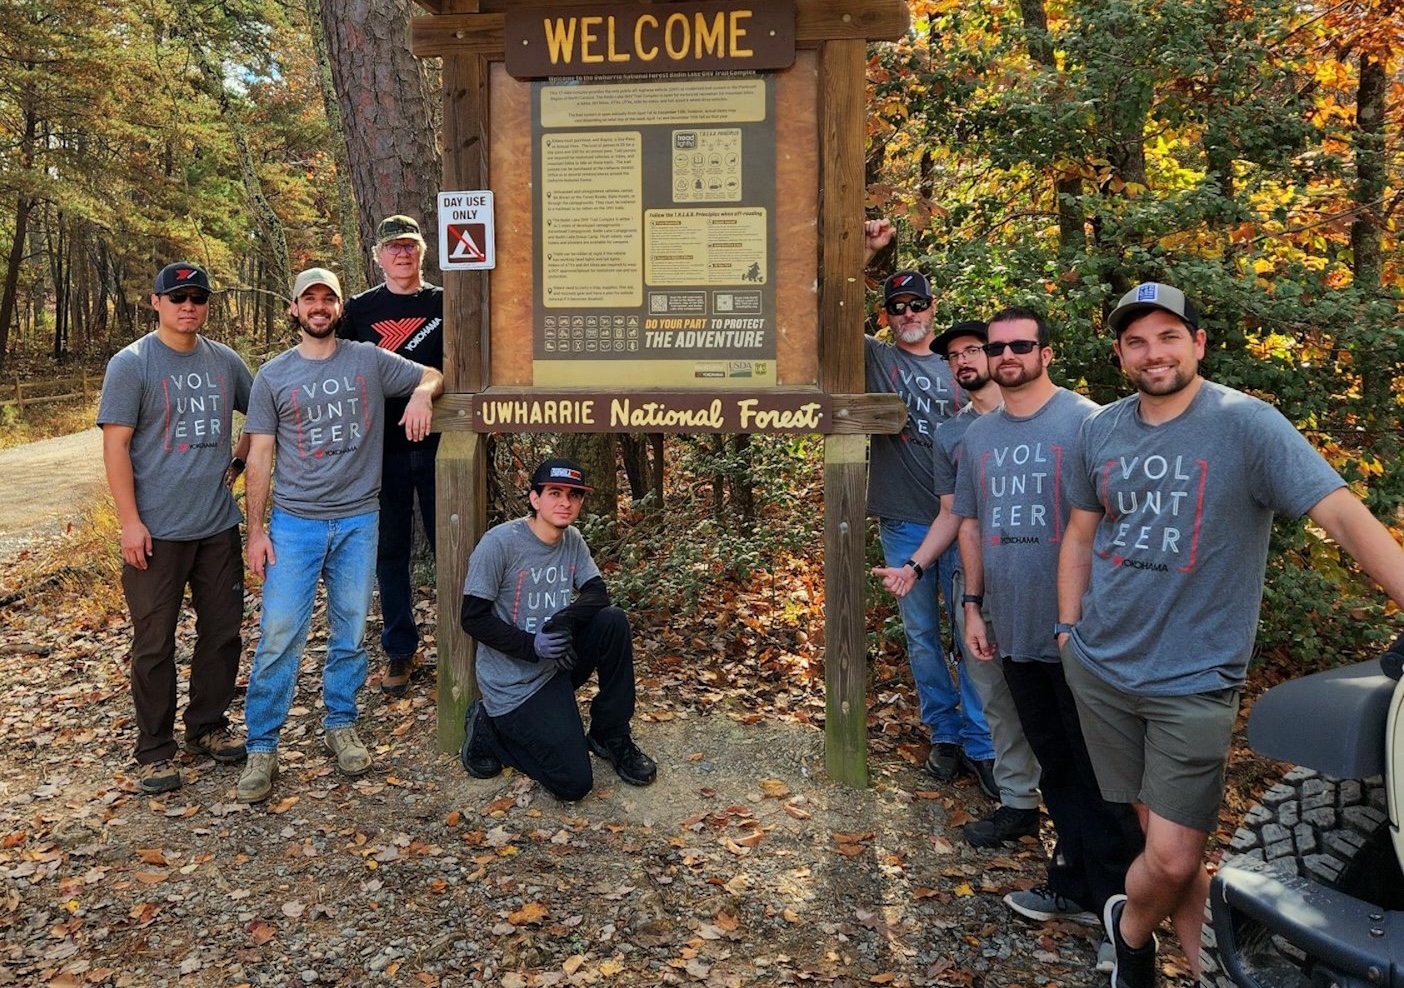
(678, 193)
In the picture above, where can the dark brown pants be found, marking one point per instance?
(214, 570)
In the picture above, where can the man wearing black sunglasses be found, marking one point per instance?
(167, 415)
(1009, 494)
(902, 496)
(404, 315)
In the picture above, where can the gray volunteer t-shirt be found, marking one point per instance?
(949, 438)
(181, 406)
(527, 581)
(1178, 561)
(1012, 480)
(899, 471)
(329, 417)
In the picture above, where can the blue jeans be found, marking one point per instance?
(403, 476)
(953, 717)
(340, 552)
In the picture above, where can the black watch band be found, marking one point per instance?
(237, 464)
(916, 568)
(978, 599)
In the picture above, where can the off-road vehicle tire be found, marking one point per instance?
(1330, 830)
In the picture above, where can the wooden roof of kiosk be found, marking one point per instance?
(818, 285)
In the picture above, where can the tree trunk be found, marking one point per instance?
(385, 109)
(353, 257)
(24, 205)
(595, 452)
(1067, 191)
(1376, 376)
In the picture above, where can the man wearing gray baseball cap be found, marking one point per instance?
(1160, 580)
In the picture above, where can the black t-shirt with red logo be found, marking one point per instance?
(410, 325)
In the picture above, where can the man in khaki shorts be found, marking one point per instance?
(1160, 580)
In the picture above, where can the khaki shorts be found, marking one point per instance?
(1167, 752)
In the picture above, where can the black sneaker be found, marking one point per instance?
(478, 761)
(943, 764)
(1134, 966)
(631, 764)
(983, 770)
(1006, 823)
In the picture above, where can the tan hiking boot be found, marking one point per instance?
(256, 781)
(158, 777)
(395, 681)
(351, 755)
(220, 744)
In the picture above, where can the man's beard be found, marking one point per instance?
(1025, 374)
(914, 333)
(975, 383)
(318, 334)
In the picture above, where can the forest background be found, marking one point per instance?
(1046, 152)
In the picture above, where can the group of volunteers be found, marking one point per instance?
(1102, 567)
(1108, 562)
(337, 447)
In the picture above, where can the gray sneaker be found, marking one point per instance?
(1042, 903)
(351, 755)
(256, 781)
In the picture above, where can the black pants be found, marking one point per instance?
(544, 738)
(1097, 840)
(214, 569)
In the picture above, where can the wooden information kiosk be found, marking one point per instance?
(678, 193)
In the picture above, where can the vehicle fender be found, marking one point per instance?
(1333, 721)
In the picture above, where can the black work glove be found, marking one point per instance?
(551, 645)
(553, 627)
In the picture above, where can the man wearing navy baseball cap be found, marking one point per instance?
(167, 418)
(1160, 580)
(537, 606)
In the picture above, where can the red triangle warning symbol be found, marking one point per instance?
(466, 240)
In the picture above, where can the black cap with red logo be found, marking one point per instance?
(181, 274)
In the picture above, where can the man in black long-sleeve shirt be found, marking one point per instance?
(536, 604)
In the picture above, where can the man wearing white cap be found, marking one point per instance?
(321, 404)
(1160, 579)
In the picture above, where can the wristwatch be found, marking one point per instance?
(915, 568)
(978, 599)
(1062, 629)
(237, 464)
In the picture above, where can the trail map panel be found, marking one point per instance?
(654, 202)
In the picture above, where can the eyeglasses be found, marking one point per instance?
(915, 305)
(180, 298)
(969, 353)
(1018, 346)
(408, 247)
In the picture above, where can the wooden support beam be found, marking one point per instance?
(816, 21)
(841, 109)
(461, 468)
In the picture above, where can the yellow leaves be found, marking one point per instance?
(530, 914)
(774, 788)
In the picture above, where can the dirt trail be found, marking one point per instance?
(44, 484)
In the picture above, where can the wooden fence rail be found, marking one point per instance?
(21, 393)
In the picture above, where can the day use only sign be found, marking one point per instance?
(466, 241)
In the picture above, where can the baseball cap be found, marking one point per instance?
(398, 227)
(906, 283)
(316, 276)
(560, 473)
(181, 274)
(971, 327)
(1147, 297)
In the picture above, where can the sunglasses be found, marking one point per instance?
(1018, 346)
(180, 298)
(401, 248)
(915, 305)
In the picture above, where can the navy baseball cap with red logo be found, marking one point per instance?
(911, 283)
(181, 274)
(560, 473)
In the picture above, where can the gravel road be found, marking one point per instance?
(44, 485)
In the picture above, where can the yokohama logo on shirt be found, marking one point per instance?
(394, 333)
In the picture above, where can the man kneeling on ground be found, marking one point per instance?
(535, 603)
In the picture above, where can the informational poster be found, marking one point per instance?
(654, 205)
